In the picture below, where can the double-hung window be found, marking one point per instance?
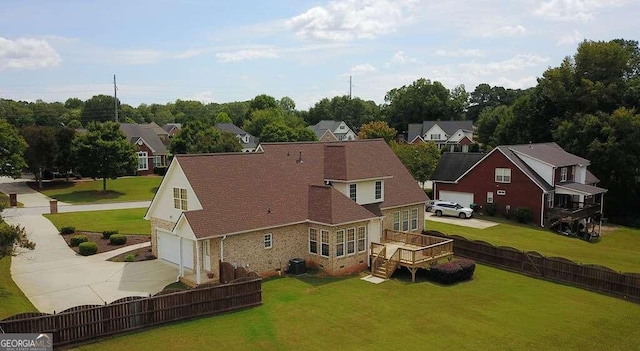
(268, 241)
(143, 161)
(353, 192)
(313, 240)
(324, 240)
(414, 219)
(396, 221)
(180, 199)
(340, 243)
(351, 238)
(361, 239)
(378, 191)
(405, 220)
(563, 174)
(503, 175)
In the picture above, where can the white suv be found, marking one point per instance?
(449, 208)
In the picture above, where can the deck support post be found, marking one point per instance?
(413, 271)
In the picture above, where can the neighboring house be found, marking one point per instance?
(333, 131)
(151, 150)
(249, 142)
(323, 202)
(172, 128)
(554, 185)
(160, 132)
(452, 135)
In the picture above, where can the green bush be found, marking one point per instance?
(108, 233)
(523, 214)
(130, 258)
(78, 239)
(161, 171)
(490, 209)
(67, 230)
(117, 239)
(88, 248)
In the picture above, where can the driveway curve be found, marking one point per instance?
(55, 278)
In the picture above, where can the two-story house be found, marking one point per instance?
(450, 135)
(323, 202)
(554, 185)
(249, 142)
(333, 131)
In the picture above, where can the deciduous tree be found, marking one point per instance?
(42, 150)
(198, 137)
(12, 147)
(377, 129)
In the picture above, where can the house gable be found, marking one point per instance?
(162, 205)
(436, 134)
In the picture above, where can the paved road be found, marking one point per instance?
(55, 278)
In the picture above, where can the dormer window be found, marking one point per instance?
(353, 192)
(378, 194)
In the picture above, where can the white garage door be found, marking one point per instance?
(169, 249)
(464, 199)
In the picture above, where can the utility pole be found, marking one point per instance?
(115, 96)
(350, 86)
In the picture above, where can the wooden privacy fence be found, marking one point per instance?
(593, 277)
(83, 323)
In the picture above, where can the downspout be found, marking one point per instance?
(197, 263)
(222, 248)
(542, 212)
(181, 270)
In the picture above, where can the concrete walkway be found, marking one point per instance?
(26, 195)
(469, 222)
(55, 278)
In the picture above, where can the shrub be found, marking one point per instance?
(130, 258)
(161, 171)
(452, 271)
(88, 248)
(108, 233)
(67, 230)
(490, 209)
(523, 214)
(78, 239)
(117, 239)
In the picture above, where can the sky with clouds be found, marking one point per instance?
(221, 51)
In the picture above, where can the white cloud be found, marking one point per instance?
(574, 10)
(570, 39)
(460, 53)
(27, 53)
(189, 53)
(363, 68)
(516, 63)
(247, 54)
(505, 31)
(351, 19)
(399, 58)
(522, 83)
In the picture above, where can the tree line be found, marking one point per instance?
(588, 105)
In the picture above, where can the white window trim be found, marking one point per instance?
(355, 190)
(563, 174)
(375, 190)
(503, 175)
(347, 241)
(183, 201)
(396, 221)
(405, 218)
(268, 241)
(323, 243)
(315, 241)
(414, 220)
(364, 246)
(143, 155)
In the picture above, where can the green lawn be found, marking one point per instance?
(127, 221)
(12, 300)
(497, 310)
(90, 191)
(618, 249)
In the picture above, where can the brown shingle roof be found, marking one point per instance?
(248, 191)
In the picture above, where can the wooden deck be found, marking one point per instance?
(400, 249)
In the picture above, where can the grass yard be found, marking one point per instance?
(618, 249)
(90, 191)
(12, 300)
(497, 310)
(128, 221)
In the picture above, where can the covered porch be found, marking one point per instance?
(577, 210)
(402, 249)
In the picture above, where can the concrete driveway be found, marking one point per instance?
(55, 278)
(470, 222)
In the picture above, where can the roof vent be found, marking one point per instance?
(300, 160)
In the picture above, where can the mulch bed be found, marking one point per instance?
(104, 245)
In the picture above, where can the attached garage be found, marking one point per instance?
(169, 249)
(464, 199)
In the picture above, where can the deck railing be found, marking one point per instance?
(378, 256)
(428, 248)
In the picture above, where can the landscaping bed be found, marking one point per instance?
(104, 245)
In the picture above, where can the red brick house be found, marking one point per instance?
(553, 184)
(150, 141)
(323, 202)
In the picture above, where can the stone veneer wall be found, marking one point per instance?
(333, 265)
